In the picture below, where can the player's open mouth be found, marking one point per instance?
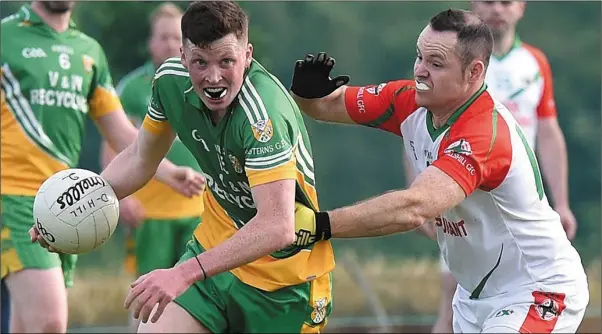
(215, 93)
(421, 86)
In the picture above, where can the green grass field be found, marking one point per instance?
(406, 288)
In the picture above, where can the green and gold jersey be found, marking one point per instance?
(159, 200)
(50, 82)
(261, 139)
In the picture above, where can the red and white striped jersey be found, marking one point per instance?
(522, 80)
(504, 234)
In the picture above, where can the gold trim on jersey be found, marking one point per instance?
(23, 165)
(104, 101)
(161, 202)
(153, 126)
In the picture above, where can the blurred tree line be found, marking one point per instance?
(374, 42)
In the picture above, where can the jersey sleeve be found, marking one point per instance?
(104, 99)
(269, 138)
(155, 120)
(547, 105)
(476, 153)
(384, 106)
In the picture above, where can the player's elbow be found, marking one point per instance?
(419, 212)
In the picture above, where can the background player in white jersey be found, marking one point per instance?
(520, 76)
(478, 178)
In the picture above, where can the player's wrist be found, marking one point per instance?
(191, 271)
(323, 231)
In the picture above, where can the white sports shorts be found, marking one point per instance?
(521, 311)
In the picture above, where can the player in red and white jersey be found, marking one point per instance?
(521, 77)
(478, 178)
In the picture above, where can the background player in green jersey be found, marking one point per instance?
(163, 218)
(53, 76)
(241, 272)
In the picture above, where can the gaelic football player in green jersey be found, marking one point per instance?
(52, 77)
(240, 273)
(163, 218)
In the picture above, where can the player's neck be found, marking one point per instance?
(56, 21)
(503, 44)
(441, 116)
(217, 116)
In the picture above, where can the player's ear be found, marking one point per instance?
(183, 57)
(475, 70)
(248, 55)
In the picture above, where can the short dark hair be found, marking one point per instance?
(205, 22)
(475, 39)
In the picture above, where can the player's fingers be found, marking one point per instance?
(147, 308)
(321, 59)
(159, 311)
(330, 62)
(132, 295)
(299, 64)
(309, 58)
(140, 304)
(341, 80)
(33, 234)
(139, 280)
(42, 242)
(571, 230)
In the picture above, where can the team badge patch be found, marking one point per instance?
(375, 90)
(459, 147)
(235, 164)
(263, 130)
(88, 63)
(319, 313)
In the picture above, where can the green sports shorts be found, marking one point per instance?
(224, 304)
(18, 252)
(158, 244)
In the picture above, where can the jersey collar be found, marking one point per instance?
(30, 17)
(192, 97)
(515, 45)
(434, 133)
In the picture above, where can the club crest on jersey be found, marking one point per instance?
(235, 164)
(88, 63)
(547, 309)
(460, 147)
(375, 90)
(263, 130)
(319, 313)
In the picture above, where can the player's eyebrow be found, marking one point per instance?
(434, 54)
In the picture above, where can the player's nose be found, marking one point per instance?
(213, 76)
(420, 71)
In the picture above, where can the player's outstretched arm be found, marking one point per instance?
(121, 134)
(432, 193)
(271, 229)
(316, 94)
(133, 167)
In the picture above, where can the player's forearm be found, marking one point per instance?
(259, 237)
(127, 172)
(393, 212)
(554, 164)
(330, 108)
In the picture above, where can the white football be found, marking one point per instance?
(76, 211)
